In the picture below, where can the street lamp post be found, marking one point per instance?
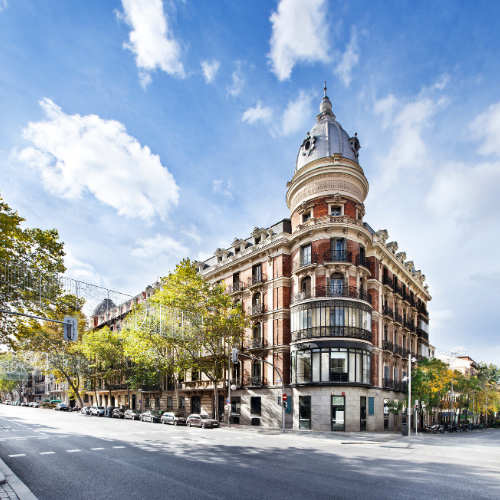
(410, 359)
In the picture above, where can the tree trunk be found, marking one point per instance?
(175, 377)
(75, 390)
(216, 402)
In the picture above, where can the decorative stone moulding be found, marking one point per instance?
(401, 256)
(221, 252)
(199, 265)
(239, 244)
(409, 265)
(382, 235)
(392, 246)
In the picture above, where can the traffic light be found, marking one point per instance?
(285, 405)
(279, 400)
(234, 355)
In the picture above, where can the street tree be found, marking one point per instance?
(394, 406)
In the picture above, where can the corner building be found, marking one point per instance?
(334, 305)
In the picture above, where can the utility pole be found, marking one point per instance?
(409, 395)
(229, 388)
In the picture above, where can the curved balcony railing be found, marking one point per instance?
(423, 310)
(362, 261)
(387, 346)
(387, 311)
(255, 381)
(256, 343)
(406, 297)
(337, 256)
(256, 309)
(398, 290)
(409, 326)
(332, 331)
(256, 280)
(239, 286)
(333, 291)
(389, 383)
(305, 260)
(388, 282)
(422, 334)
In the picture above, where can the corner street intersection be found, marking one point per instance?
(68, 455)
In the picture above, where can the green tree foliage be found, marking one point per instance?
(36, 250)
(394, 406)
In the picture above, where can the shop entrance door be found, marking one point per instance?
(195, 404)
(338, 413)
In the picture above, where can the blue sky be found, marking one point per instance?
(145, 131)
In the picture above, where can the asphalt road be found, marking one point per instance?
(72, 456)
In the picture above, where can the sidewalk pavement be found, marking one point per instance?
(11, 487)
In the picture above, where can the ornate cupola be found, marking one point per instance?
(327, 164)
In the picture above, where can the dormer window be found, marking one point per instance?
(257, 240)
(336, 210)
(219, 259)
(306, 217)
(236, 250)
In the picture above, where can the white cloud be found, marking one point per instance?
(151, 40)
(203, 256)
(192, 232)
(3, 4)
(251, 115)
(218, 187)
(297, 115)
(210, 70)
(300, 34)
(160, 245)
(409, 150)
(487, 127)
(238, 82)
(348, 60)
(86, 154)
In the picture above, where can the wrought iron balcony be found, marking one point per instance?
(388, 282)
(256, 343)
(397, 289)
(387, 346)
(238, 286)
(256, 279)
(388, 383)
(350, 292)
(398, 350)
(362, 261)
(406, 297)
(423, 310)
(398, 318)
(406, 352)
(409, 325)
(151, 388)
(413, 303)
(422, 334)
(257, 309)
(387, 311)
(337, 256)
(255, 381)
(305, 260)
(332, 331)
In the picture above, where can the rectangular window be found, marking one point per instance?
(359, 367)
(352, 366)
(303, 367)
(325, 365)
(305, 412)
(255, 405)
(336, 211)
(182, 402)
(236, 406)
(306, 217)
(338, 366)
(316, 365)
(169, 402)
(371, 406)
(305, 254)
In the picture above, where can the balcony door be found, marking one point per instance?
(305, 254)
(336, 284)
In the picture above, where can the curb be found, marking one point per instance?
(21, 490)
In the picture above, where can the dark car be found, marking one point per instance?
(197, 420)
(169, 417)
(108, 412)
(85, 410)
(61, 407)
(119, 413)
(151, 416)
(132, 414)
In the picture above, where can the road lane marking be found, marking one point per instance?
(118, 446)
(20, 455)
(95, 449)
(47, 452)
(72, 451)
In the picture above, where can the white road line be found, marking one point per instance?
(43, 438)
(20, 455)
(95, 449)
(118, 446)
(72, 451)
(47, 452)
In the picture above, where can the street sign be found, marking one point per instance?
(228, 401)
(285, 397)
(70, 328)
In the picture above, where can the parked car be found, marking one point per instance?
(74, 408)
(150, 416)
(24, 404)
(85, 410)
(98, 411)
(172, 418)
(119, 413)
(36, 405)
(132, 414)
(197, 420)
(61, 407)
(108, 412)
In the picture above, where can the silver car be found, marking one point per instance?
(97, 410)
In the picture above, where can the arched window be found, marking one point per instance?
(257, 332)
(305, 284)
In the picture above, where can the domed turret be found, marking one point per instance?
(102, 307)
(327, 138)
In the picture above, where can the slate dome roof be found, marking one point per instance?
(327, 138)
(102, 307)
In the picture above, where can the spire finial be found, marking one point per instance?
(324, 88)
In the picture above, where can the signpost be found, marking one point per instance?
(70, 328)
(285, 397)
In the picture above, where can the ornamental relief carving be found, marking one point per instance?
(327, 185)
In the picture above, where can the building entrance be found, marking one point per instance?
(338, 413)
(195, 404)
(362, 414)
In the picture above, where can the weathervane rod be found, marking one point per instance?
(324, 88)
